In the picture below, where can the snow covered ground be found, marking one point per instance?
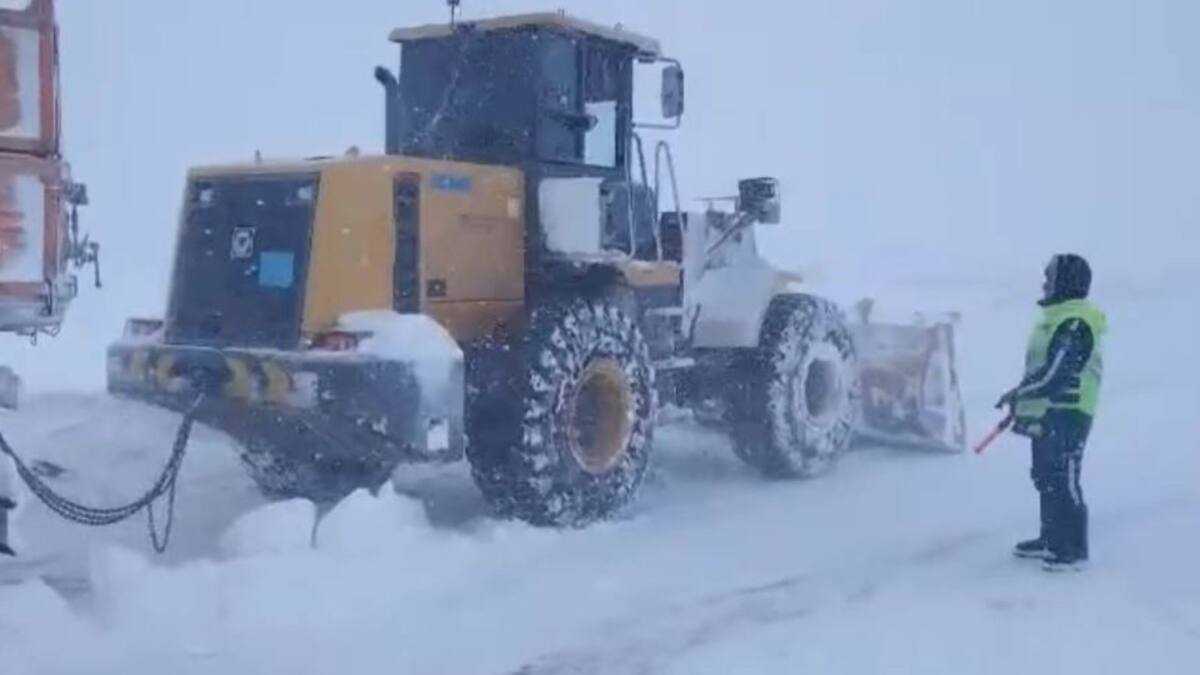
(897, 562)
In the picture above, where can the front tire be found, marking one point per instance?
(565, 439)
(795, 409)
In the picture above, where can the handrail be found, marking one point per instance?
(663, 149)
(633, 207)
(641, 152)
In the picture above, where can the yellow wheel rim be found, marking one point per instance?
(599, 416)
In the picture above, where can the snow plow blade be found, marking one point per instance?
(312, 424)
(909, 380)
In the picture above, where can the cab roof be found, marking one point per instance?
(646, 46)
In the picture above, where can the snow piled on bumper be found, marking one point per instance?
(437, 362)
(411, 338)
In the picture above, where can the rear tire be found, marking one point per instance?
(563, 437)
(794, 411)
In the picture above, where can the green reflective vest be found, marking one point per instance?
(1082, 395)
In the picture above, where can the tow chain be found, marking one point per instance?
(99, 517)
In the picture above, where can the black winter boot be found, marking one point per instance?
(1033, 548)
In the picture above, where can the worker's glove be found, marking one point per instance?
(1009, 398)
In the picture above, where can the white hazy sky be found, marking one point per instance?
(942, 140)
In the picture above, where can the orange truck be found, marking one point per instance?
(39, 240)
(39, 225)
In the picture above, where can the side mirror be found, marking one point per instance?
(759, 198)
(672, 92)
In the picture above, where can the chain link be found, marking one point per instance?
(99, 517)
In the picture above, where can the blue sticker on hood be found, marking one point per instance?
(276, 269)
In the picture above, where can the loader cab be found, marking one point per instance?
(547, 93)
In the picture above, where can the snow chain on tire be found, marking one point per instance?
(524, 429)
(99, 517)
(795, 405)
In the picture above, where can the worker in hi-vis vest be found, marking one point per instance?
(1054, 406)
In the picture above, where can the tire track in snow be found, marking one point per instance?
(680, 628)
(781, 601)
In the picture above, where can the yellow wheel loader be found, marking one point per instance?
(503, 284)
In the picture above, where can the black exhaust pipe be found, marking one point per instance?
(391, 109)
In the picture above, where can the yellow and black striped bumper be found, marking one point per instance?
(342, 420)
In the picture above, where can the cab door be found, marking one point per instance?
(560, 119)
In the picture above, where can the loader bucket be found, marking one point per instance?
(909, 380)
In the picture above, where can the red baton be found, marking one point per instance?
(994, 434)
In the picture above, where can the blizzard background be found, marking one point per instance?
(933, 155)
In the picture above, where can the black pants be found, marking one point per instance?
(1057, 456)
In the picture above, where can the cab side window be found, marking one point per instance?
(603, 73)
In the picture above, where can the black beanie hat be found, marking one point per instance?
(1071, 278)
